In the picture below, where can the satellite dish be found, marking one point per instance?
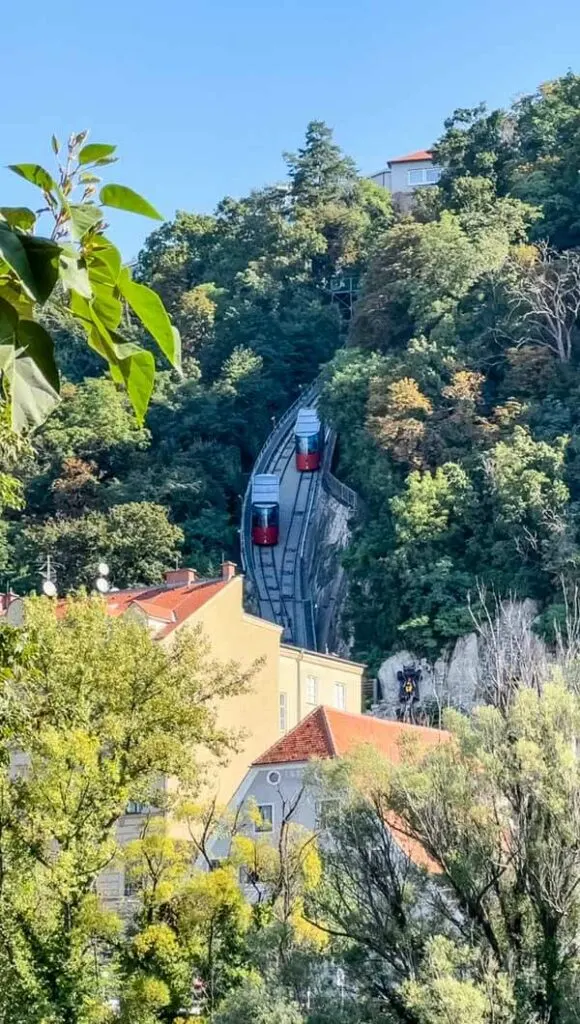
(102, 585)
(48, 588)
(103, 569)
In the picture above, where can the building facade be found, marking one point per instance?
(286, 683)
(403, 175)
(281, 784)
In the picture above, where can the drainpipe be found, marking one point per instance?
(299, 686)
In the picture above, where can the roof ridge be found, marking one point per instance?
(324, 713)
(316, 715)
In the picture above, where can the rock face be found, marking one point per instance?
(451, 680)
(480, 667)
(328, 537)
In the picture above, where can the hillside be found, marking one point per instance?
(457, 398)
(249, 291)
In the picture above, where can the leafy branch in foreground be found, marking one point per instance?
(80, 271)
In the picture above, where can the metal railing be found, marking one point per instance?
(342, 492)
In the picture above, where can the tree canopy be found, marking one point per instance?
(456, 398)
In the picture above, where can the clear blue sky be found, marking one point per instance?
(203, 97)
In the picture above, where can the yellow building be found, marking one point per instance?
(287, 683)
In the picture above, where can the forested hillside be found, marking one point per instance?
(249, 291)
(457, 399)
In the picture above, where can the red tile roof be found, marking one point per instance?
(170, 605)
(419, 154)
(327, 732)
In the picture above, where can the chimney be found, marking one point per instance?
(180, 577)
(228, 571)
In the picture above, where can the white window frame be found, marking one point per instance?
(283, 712)
(268, 826)
(311, 690)
(136, 807)
(340, 696)
(416, 176)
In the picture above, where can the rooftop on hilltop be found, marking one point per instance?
(419, 154)
(327, 733)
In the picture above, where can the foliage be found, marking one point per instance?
(248, 289)
(456, 403)
(77, 273)
(254, 1003)
(481, 922)
(87, 749)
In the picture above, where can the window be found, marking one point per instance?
(423, 176)
(312, 690)
(135, 807)
(339, 696)
(267, 818)
(415, 177)
(264, 516)
(307, 445)
(283, 719)
(274, 778)
(215, 864)
(326, 810)
(131, 886)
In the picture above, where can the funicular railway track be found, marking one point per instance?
(277, 572)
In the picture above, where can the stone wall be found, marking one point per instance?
(329, 535)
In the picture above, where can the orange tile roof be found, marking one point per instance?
(171, 605)
(327, 732)
(419, 154)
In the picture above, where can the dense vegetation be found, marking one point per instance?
(249, 291)
(457, 397)
(479, 926)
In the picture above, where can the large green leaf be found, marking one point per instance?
(95, 151)
(136, 369)
(37, 343)
(147, 305)
(34, 173)
(18, 217)
(14, 253)
(43, 255)
(8, 323)
(122, 198)
(98, 336)
(83, 218)
(73, 273)
(29, 372)
(105, 303)
(103, 255)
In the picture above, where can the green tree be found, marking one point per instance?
(483, 919)
(136, 539)
(319, 171)
(89, 749)
(254, 1003)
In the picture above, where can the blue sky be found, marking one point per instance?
(202, 97)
